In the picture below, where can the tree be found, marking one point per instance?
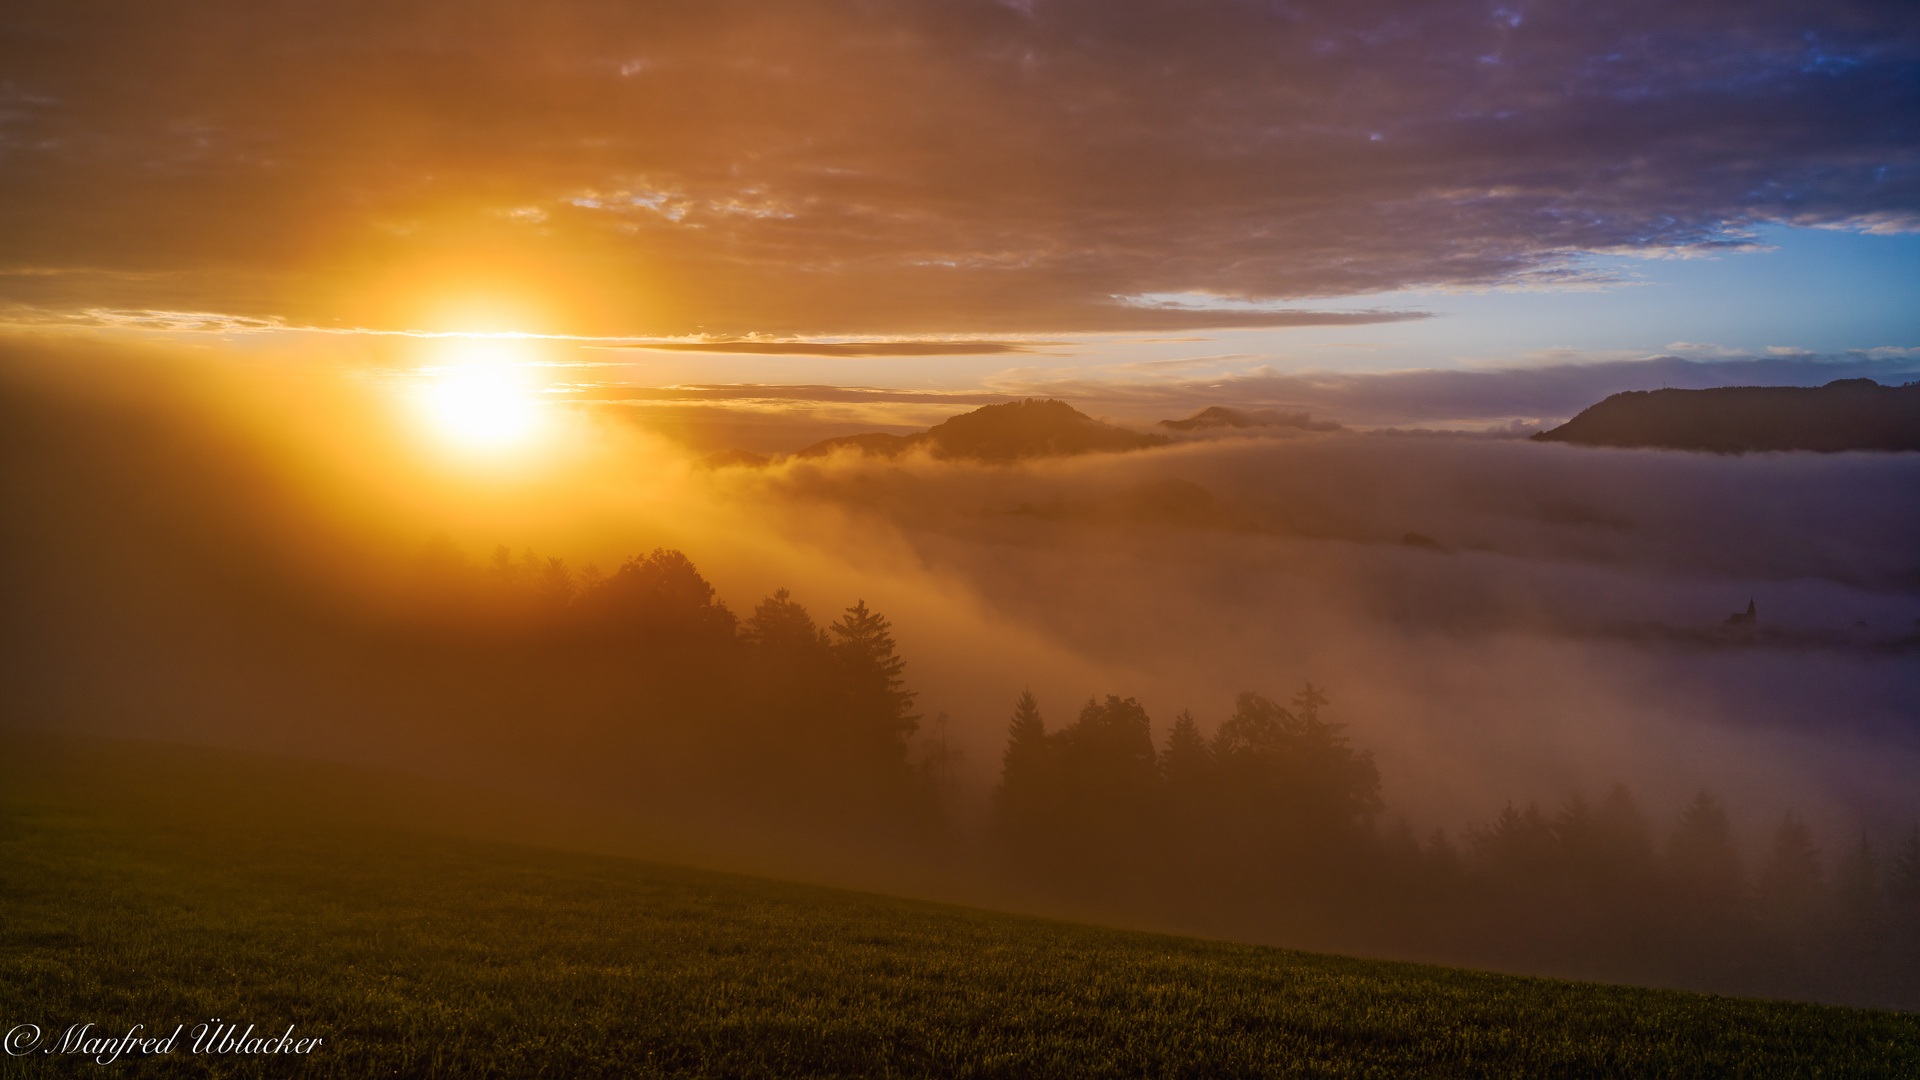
(781, 626)
(876, 691)
(1021, 820)
(1257, 729)
(1856, 893)
(1293, 774)
(1519, 848)
(1789, 886)
(1186, 763)
(506, 571)
(1606, 850)
(1111, 743)
(1307, 704)
(1103, 784)
(660, 596)
(1703, 864)
(1903, 894)
(554, 584)
(1023, 766)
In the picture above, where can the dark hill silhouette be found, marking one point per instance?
(1017, 429)
(1847, 414)
(1217, 417)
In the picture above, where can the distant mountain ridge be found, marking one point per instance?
(1846, 414)
(1000, 433)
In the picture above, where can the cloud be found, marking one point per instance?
(844, 348)
(839, 167)
(757, 392)
(170, 322)
(1185, 362)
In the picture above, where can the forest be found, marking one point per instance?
(1269, 824)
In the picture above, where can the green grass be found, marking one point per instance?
(150, 890)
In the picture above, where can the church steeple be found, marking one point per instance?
(1747, 618)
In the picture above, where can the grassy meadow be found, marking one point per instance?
(164, 886)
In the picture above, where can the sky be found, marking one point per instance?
(1231, 190)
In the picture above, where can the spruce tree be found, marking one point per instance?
(1703, 863)
(1187, 763)
(1789, 887)
(1021, 801)
(877, 691)
(1025, 760)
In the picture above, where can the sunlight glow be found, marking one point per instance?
(481, 402)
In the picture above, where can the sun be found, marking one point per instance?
(482, 400)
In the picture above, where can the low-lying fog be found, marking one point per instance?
(1495, 619)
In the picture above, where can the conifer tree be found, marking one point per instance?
(1022, 766)
(1023, 798)
(1903, 895)
(1186, 762)
(781, 626)
(1703, 863)
(876, 689)
(1857, 894)
(1856, 880)
(555, 584)
(1903, 876)
(1788, 888)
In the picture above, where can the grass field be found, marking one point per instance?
(136, 886)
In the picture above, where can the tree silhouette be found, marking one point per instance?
(1520, 846)
(1186, 763)
(1903, 876)
(1703, 863)
(660, 596)
(1021, 801)
(1024, 765)
(1903, 896)
(1104, 781)
(781, 626)
(1858, 900)
(1788, 889)
(880, 704)
(554, 584)
(1293, 777)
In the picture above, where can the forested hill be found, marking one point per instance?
(1847, 414)
(1016, 429)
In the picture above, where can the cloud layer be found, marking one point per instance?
(894, 167)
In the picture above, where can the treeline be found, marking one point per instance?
(643, 682)
(1271, 825)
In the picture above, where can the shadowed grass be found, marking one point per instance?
(417, 955)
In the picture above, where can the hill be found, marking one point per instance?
(165, 886)
(1847, 414)
(1001, 433)
(1222, 418)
